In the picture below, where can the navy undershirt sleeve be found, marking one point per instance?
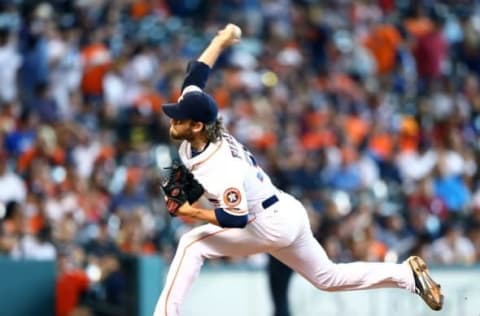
(197, 74)
(228, 220)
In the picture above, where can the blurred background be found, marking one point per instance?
(367, 111)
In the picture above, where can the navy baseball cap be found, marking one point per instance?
(197, 106)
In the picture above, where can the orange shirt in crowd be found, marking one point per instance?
(57, 156)
(382, 145)
(356, 129)
(409, 135)
(383, 43)
(140, 9)
(35, 223)
(377, 250)
(318, 134)
(418, 27)
(265, 140)
(318, 139)
(70, 286)
(96, 59)
(106, 153)
(222, 97)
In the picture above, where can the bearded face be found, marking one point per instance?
(181, 129)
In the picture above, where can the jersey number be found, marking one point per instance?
(248, 156)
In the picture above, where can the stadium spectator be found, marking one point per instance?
(36, 247)
(72, 284)
(12, 228)
(13, 187)
(453, 248)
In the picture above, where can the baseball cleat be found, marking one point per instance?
(425, 286)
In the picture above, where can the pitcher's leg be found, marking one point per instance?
(307, 257)
(204, 242)
(184, 268)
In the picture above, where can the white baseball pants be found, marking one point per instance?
(282, 230)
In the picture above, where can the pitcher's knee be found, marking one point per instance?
(329, 279)
(326, 286)
(188, 239)
(189, 245)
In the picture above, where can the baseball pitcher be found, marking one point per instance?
(248, 214)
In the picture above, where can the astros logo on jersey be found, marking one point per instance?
(232, 197)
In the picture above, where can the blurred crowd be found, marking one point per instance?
(368, 111)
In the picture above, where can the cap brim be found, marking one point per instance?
(173, 111)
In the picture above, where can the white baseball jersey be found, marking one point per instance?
(243, 185)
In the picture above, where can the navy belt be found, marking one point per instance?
(270, 201)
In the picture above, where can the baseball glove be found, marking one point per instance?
(180, 187)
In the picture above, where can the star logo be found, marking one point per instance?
(232, 197)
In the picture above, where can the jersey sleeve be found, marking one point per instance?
(233, 201)
(232, 212)
(197, 75)
(232, 197)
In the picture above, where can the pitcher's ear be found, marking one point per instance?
(197, 126)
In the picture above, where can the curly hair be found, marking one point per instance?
(213, 131)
